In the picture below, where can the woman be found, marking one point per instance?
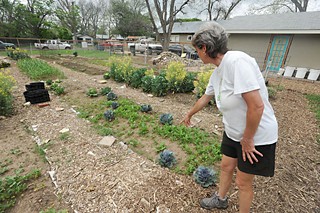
(250, 126)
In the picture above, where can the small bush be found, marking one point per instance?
(17, 54)
(106, 76)
(146, 83)
(120, 68)
(135, 80)
(202, 81)
(175, 74)
(6, 98)
(159, 86)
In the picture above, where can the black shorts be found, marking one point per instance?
(265, 164)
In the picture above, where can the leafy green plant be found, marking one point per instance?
(135, 79)
(114, 105)
(204, 176)
(146, 83)
(49, 82)
(109, 115)
(92, 92)
(106, 76)
(105, 90)
(159, 86)
(12, 186)
(146, 108)
(133, 142)
(167, 159)
(6, 99)
(272, 92)
(111, 96)
(57, 89)
(166, 118)
(160, 147)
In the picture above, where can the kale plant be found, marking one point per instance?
(146, 108)
(204, 176)
(111, 96)
(166, 118)
(167, 159)
(109, 115)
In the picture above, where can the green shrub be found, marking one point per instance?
(159, 86)
(120, 68)
(6, 99)
(202, 81)
(106, 76)
(146, 83)
(187, 84)
(175, 74)
(17, 54)
(135, 80)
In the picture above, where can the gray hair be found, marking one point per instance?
(213, 36)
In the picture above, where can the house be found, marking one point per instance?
(276, 40)
(85, 38)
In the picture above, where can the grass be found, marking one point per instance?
(39, 70)
(143, 132)
(314, 102)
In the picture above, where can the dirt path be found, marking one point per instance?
(91, 178)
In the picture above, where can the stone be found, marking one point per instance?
(107, 141)
(102, 82)
(58, 109)
(27, 104)
(64, 130)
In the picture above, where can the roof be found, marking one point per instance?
(294, 23)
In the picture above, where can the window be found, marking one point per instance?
(189, 37)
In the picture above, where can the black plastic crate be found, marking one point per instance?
(35, 86)
(37, 96)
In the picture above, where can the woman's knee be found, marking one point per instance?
(228, 164)
(244, 181)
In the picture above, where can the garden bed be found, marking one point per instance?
(100, 179)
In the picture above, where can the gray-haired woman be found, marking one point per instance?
(250, 126)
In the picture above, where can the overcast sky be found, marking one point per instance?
(243, 8)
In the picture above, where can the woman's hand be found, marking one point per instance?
(248, 150)
(186, 121)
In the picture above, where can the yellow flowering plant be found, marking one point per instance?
(202, 81)
(6, 100)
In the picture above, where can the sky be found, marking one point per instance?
(243, 8)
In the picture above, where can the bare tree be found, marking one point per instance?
(280, 6)
(68, 14)
(218, 9)
(92, 14)
(166, 14)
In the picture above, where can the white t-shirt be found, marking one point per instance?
(239, 73)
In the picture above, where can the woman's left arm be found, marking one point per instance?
(255, 109)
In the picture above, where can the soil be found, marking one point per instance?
(91, 178)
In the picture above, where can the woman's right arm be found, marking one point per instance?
(202, 102)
